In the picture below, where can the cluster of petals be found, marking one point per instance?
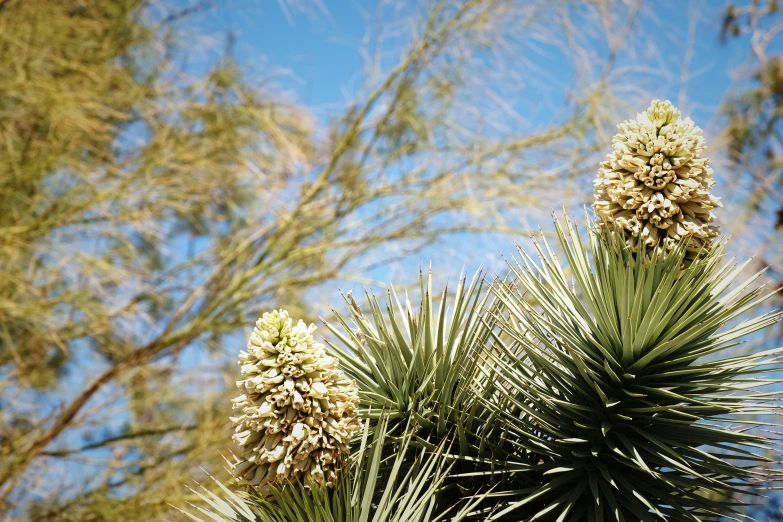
(297, 411)
(655, 185)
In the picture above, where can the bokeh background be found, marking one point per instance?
(169, 169)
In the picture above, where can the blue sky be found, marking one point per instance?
(320, 49)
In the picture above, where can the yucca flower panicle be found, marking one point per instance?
(298, 411)
(655, 185)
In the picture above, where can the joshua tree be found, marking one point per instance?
(600, 387)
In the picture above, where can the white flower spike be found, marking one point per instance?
(298, 410)
(655, 184)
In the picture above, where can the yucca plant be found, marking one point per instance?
(421, 363)
(627, 406)
(427, 366)
(607, 387)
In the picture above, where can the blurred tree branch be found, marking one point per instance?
(118, 438)
(754, 111)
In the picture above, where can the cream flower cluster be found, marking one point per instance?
(655, 184)
(298, 411)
